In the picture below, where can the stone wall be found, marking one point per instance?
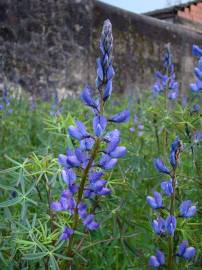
(48, 45)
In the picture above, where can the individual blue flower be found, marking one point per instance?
(96, 185)
(132, 129)
(170, 224)
(197, 136)
(121, 117)
(118, 152)
(108, 90)
(196, 108)
(87, 98)
(167, 187)
(113, 139)
(158, 225)
(73, 161)
(78, 132)
(90, 223)
(196, 51)
(157, 260)
(156, 201)
(187, 210)
(107, 163)
(87, 144)
(65, 203)
(185, 251)
(160, 166)
(99, 125)
(176, 147)
(67, 232)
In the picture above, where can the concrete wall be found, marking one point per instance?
(52, 44)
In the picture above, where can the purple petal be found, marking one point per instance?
(99, 124)
(160, 257)
(151, 201)
(104, 192)
(196, 51)
(167, 187)
(170, 224)
(154, 262)
(67, 232)
(108, 90)
(189, 253)
(160, 166)
(62, 159)
(121, 117)
(118, 152)
(158, 199)
(182, 247)
(87, 98)
(68, 176)
(56, 206)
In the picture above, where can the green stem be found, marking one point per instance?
(171, 238)
(80, 193)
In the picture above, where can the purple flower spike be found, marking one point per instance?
(187, 210)
(121, 117)
(87, 98)
(158, 260)
(160, 166)
(156, 201)
(158, 225)
(167, 187)
(185, 251)
(67, 232)
(99, 125)
(170, 224)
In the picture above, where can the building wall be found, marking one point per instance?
(52, 44)
(193, 13)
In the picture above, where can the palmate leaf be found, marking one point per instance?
(11, 202)
(53, 263)
(35, 256)
(8, 188)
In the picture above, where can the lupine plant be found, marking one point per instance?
(84, 167)
(5, 104)
(167, 214)
(55, 110)
(166, 80)
(137, 126)
(196, 87)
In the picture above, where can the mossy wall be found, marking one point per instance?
(48, 45)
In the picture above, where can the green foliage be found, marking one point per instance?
(30, 142)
